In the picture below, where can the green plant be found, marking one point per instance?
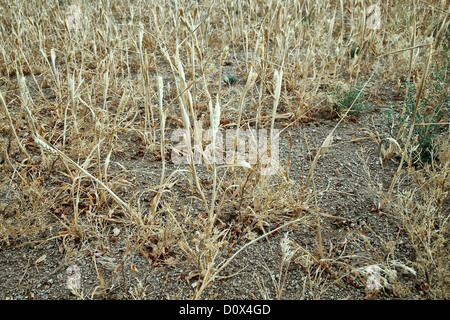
(354, 51)
(352, 98)
(442, 33)
(433, 113)
(230, 80)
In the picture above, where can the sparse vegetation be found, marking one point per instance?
(432, 118)
(93, 95)
(231, 80)
(349, 100)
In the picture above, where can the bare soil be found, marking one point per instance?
(352, 233)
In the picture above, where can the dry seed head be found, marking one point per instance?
(244, 164)
(71, 86)
(161, 110)
(278, 16)
(195, 12)
(23, 88)
(403, 266)
(141, 36)
(166, 55)
(181, 73)
(326, 144)
(160, 93)
(211, 111)
(184, 116)
(225, 53)
(160, 11)
(241, 163)
(44, 144)
(266, 34)
(251, 79)
(216, 118)
(285, 244)
(198, 51)
(176, 57)
(278, 77)
(53, 56)
(186, 23)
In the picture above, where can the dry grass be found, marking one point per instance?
(91, 89)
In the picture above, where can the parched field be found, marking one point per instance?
(96, 201)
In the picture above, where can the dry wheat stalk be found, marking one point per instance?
(411, 129)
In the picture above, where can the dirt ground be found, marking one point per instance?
(326, 240)
(352, 233)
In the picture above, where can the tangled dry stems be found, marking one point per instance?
(82, 95)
